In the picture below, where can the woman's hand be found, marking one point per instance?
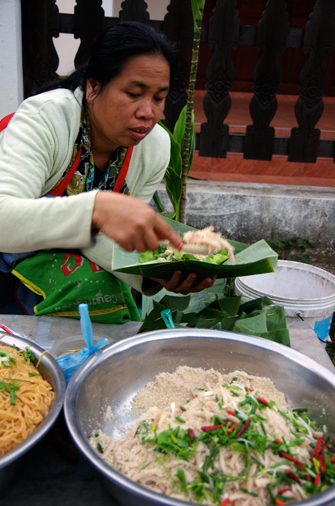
(131, 223)
(189, 285)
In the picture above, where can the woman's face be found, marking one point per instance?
(128, 108)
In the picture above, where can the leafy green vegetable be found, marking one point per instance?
(177, 256)
(11, 388)
(175, 441)
(29, 356)
(181, 477)
(5, 359)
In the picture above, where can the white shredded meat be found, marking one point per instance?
(138, 456)
(206, 237)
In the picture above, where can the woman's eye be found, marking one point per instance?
(133, 95)
(159, 99)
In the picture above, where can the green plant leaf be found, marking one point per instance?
(158, 202)
(173, 302)
(275, 318)
(172, 177)
(254, 325)
(227, 305)
(281, 336)
(171, 216)
(179, 128)
(197, 11)
(252, 305)
(179, 132)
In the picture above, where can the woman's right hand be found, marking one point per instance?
(130, 222)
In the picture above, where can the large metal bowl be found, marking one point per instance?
(114, 376)
(49, 369)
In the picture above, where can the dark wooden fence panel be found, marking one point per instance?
(271, 39)
(319, 40)
(182, 35)
(88, 24)
(222, 37)
(41, 21)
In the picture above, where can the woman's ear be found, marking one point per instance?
(92, 88)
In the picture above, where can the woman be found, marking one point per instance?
(93, 139)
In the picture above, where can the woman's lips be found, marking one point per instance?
(139, 133)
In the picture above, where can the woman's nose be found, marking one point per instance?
(145, 111)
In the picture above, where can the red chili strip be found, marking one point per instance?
(208, 428)
(318, 448)
(317, 480)
(263, 401)
(289, 457)
(233, 427)
(191, 434)
(249, 389)
(225, 502)
(283, 490)
(278, 441)
(332, 460)
(243, 428)
(321, 459)
(231, 412)
(292, 476)
(279, 502)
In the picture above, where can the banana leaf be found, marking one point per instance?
(258, 258)
(258, 318)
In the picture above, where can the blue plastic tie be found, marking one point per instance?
(71, 361)
(167, 317)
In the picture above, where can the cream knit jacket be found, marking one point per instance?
(35, 149)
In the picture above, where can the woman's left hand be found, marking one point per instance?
(189, 285)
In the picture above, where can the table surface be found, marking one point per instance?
(54, 473)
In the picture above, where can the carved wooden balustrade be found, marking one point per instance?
(41, 22)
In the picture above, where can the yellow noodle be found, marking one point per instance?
(32, 403)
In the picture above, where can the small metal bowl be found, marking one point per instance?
(50, 371)
(113, 376)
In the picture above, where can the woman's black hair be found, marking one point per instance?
(111, 51)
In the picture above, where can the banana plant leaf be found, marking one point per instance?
(258, 258)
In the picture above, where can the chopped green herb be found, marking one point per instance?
(29, 356)
(99, 447)
(182, 480)
(250, 493)
(11, 388)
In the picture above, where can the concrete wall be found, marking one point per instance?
(250, 212)
(11, 83)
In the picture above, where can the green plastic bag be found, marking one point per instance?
(67, 279)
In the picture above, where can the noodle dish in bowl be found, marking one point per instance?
(206, 417)
(32, 388)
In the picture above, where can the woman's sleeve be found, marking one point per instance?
(33, 149)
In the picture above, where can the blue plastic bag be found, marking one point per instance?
(69, 363)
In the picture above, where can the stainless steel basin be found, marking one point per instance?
(113, 376)
(50, 370)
